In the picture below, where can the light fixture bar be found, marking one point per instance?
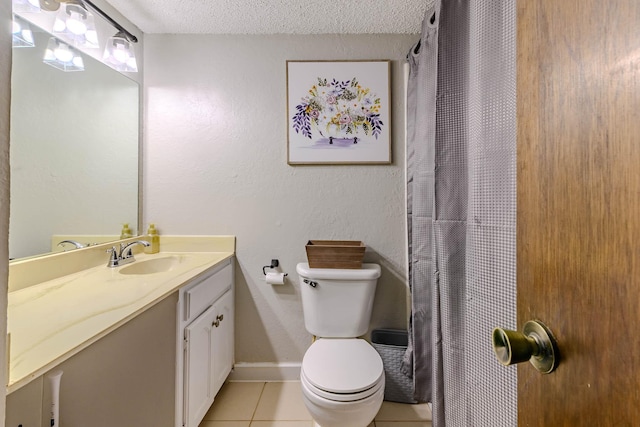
(96, 9)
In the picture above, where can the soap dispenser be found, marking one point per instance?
(153, 239)
(126, 231)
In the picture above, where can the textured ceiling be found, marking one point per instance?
(274, 16)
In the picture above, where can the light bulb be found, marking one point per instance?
(62, 56)
(63, 53)
(120, 55)
(78, 62)
(75, 24)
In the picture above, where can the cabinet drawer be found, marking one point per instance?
(202, 295)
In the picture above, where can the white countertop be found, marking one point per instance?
(53, 320)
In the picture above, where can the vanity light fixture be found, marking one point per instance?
(28, 6)
(75, 24)
(21, 33)
(62, 56)
(119, 54)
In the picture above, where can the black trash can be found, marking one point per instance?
(392, 344)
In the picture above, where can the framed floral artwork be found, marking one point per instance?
(338, 112)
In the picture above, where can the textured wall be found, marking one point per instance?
(215, 162)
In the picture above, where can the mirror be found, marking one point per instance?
(74, 151)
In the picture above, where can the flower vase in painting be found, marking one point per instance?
(338, 113)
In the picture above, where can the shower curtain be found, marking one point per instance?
(461, 176)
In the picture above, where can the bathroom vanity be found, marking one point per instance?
(151, 345)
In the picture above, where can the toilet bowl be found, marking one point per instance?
(342, 382)
(342, 376)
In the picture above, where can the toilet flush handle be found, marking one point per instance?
(310, 283)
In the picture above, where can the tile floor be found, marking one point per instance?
(279, 404)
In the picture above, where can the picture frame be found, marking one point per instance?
(338, 112)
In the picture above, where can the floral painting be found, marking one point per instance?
(338, 112)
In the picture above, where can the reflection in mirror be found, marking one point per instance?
(74, 151)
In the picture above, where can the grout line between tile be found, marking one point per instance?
(253, 414)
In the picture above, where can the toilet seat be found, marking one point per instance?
(340, 397)
(342, 369)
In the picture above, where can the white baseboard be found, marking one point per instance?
(265, 372)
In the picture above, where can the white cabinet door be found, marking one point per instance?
(208, 357)
(198, 394)
(222, 341)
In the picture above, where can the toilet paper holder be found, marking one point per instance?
(274, 263)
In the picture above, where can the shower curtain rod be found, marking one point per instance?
(119, 27)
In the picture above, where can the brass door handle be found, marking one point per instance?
(535, 343)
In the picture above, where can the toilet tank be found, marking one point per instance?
(337, 303)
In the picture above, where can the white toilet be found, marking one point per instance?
(342, 376)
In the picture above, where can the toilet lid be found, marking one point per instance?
(346, 365)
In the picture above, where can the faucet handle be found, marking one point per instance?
(113, 259)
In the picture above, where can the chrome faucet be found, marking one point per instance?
(78, 245)
(125, 256)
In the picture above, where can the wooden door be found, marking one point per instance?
(578, 217)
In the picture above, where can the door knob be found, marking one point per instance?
(535, 343)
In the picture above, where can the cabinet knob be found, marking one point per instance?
(219, 319)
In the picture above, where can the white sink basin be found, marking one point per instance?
(150, 266)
